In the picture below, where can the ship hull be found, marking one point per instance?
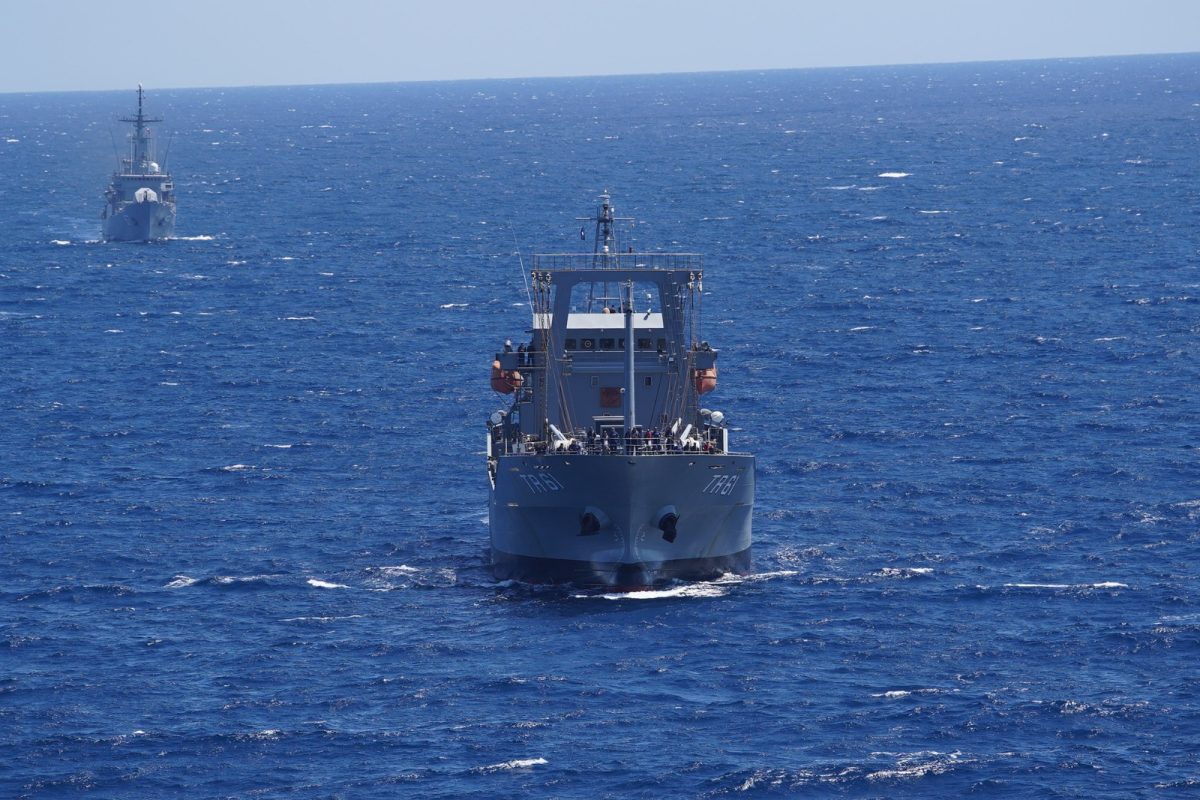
(539, 503)
(140, 222)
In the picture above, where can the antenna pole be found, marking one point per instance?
(630, 376)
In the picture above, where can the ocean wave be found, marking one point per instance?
(114, 589)
(904, 767)
(320, 584)
(403, 576)
(919, 765)
(903, 572)
(1068, 586)
(897, 694)
(508, 766)
(182, 581)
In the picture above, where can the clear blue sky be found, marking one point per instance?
(50, 45)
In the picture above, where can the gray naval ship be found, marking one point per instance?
(140, 201)
(605, 470)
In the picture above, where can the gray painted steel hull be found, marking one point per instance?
(537, 503)
(141, 222)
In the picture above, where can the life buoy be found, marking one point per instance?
(505, 381)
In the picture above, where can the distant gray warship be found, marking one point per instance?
(605, 471)
(140, 201)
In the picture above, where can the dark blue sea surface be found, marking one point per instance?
(243, 529)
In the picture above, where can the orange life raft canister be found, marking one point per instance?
(505, 381)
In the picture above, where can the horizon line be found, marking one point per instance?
(613, 74)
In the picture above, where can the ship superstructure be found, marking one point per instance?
(605, 470)
(140, 200)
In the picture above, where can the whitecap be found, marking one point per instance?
(862, 328)
(903, 572)
(114, 330)
(320, 584)
(516, 763)
(931, 211)
(237, 468)
(454, 305)
(60, 242)
(180, 582)
(279, 446)
(918, 765)
(298, 319)
(229, 580)
(894, 174)
(201, 238)
(401, 569)
(1064, 586)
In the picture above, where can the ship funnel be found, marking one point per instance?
(592, 521)
(667, 518)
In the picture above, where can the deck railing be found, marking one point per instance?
(618, 261)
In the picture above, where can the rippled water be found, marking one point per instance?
(242, 494)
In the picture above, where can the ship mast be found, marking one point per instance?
(140, 146)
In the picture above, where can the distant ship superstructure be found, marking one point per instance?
(605, 470)
(140, 201)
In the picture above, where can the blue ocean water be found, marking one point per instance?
(242, 493)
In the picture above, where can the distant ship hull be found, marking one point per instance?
(148, 221)
(538, 503)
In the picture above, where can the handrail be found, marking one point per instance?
(618, 261)
(637, 445)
